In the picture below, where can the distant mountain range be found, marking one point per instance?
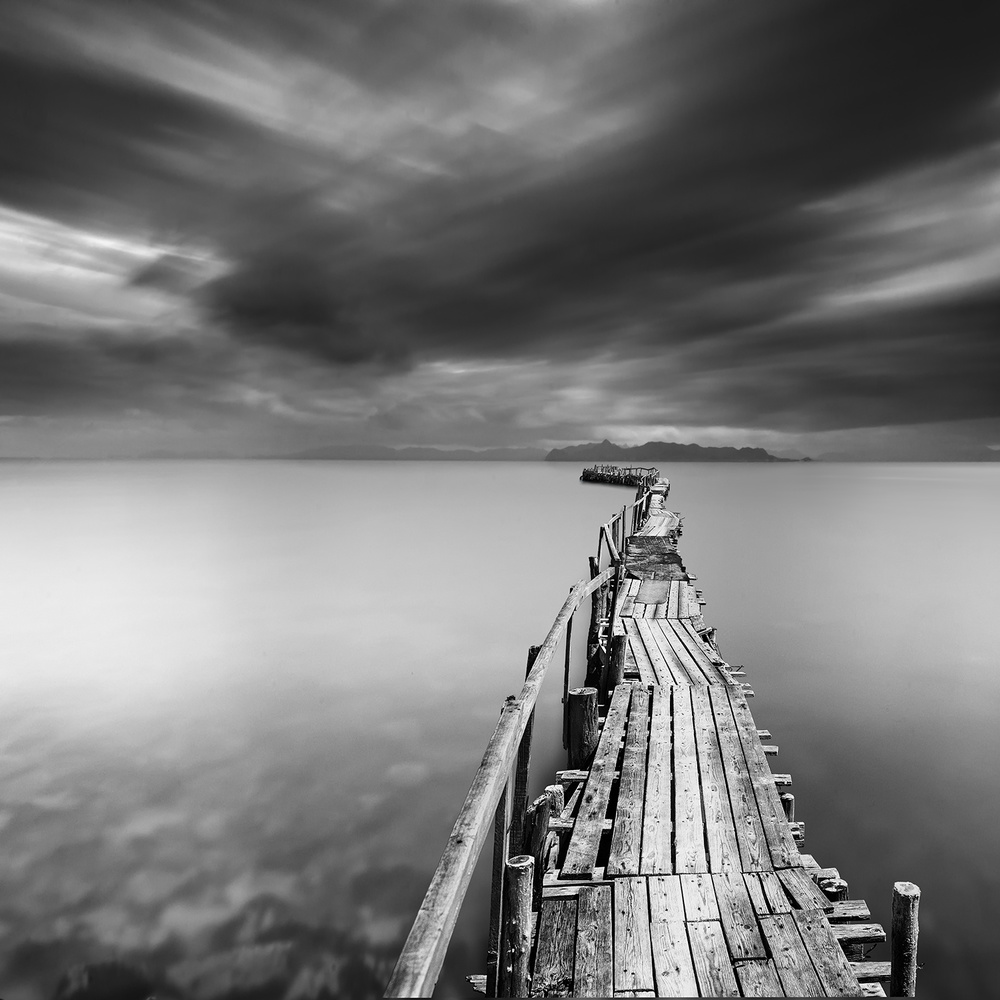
(658, 451)
(383, 453)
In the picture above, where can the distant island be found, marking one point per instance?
(603, 451)
(658, 451)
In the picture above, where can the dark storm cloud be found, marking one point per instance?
(501, 181)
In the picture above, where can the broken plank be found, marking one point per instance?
(633, 959)
(581, 852)
(858, 933)
(712, 965)
(592, 963)
(739, 923)
(828, 960)
(872, 972)
(756, 893)
(774, 893)
(806, 894)
(657, 825)
(849, 909)
(553, 970)
(647, 670)
(700, 673)
(791, 960)
(626, 837)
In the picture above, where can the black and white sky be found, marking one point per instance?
(252, 227)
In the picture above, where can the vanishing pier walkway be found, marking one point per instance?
(665, 860)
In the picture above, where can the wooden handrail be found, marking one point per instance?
(419, 964)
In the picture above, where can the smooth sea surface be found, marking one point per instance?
(241, 703)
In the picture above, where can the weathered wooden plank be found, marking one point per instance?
(872, 972)
(647, 670)
(858, 933)
(784, 853)
(746, 816)
(720, 829)
(688, 641)
(712, 965)
(683, 654)
(677, 668)
(553, 970)
(626, 837)
(698, 892)
(657, 824)
(628, 601)
(683, 610)
(592, 965)
(849, 909)
(673, 598)
(872, 990)
(759, 978)
(827, 956)
(791, 960)
(689, 832)
(673, 965)
(756, 893)
(660, 611)
(803, 890)
(581, 852)
(774, 893)
(661, 668)
(633, 958)
(739, 922)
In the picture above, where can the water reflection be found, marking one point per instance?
(243, 702)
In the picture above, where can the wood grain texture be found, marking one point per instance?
(828, 959)
(720, 828)
(633, 959)
(759, 979)
(656, 854)
(746, 816)
(791, 960)
(673, 965)
(581, 853)
(626, 837)
(593, 960)
(739, 921)
(553, 969)
(712, 967)
(689, 822)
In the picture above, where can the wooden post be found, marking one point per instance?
(903, 940)
(624, 536)
(514, 977)
(835, 889)
(520, 798)
(788, 804)
(500, 854)
(583, 732)
(536, 841)
(565, 694)
(616, 663)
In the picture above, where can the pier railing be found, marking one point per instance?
(497, 803)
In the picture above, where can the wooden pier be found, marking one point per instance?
(638, 476)
(665, 860)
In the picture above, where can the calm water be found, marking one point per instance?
(242, 702)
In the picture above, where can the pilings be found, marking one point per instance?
(583, 726)
(516, 954)
(903, 940)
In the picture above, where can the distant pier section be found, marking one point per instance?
(623, 475)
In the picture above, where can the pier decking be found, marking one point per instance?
(664, 861)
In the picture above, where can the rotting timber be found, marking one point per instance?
(666, 859)
(639, 476)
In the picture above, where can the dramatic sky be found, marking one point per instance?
(255, 226)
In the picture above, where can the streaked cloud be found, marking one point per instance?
(492, 222)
